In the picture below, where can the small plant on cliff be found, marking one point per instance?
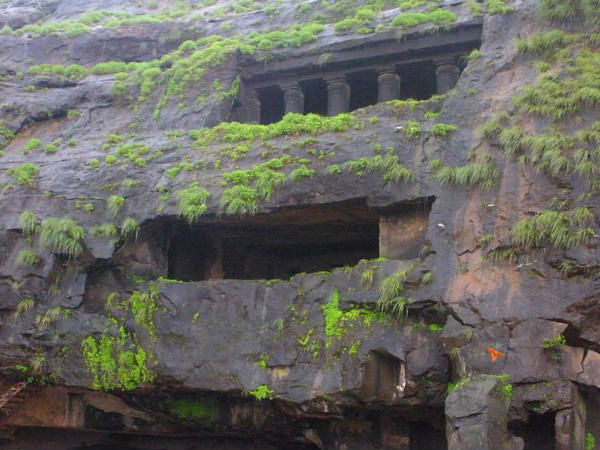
(116, 362)
(262, 392)
(192, 202)
(114, 204)
(29, 222)
(60, 235)
(457, 384)
(107, 231)
(32, 144)
(392, 291)
(27, 258)
(590, 441)
(553, 346)
(25, 173)
(556, 228)
(53, 314)
(443, 130)
(483, 175)
(25, 305)
(130, 228)
(505, 386)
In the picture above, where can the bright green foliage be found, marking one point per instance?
(107, 230)
(143, 305)
(392, 298)
(109, 67)
(262, 392)
(547, 42)
(590, 441)
(497, 7)
(457, 385)
(442, 129)
(557, 341)
(291, 125)
(483, 175)
(338, 321)
(134, 152)
(116, 362)
(567, 10)
(130, 228)
(239, 200)
(301, 172)
(438, 16)
(192, 202)
(29, 222)
(412, 129)
(28, 258)
(194, 409)
(32, 144)
(25, 173)
(72, 72)
(393, 172)
(114, 204)
(557, 96)
(554, 228)
(61, 235)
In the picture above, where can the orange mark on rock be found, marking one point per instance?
(495, 353)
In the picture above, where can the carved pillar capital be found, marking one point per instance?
(338, 95)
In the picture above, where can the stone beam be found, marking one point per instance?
(386, 49)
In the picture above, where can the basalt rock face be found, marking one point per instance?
(317, 283)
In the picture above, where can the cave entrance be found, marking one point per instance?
(418, 80)
(383, 378)
(294, 240)
(538, 433)
(276, 245)
(417, 428)
(272, 106)
(363, 89)
(315, 96)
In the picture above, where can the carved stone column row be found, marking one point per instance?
(338, 90)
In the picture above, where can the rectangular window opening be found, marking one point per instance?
(294, 240)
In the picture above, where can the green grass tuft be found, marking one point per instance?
(61, 236)
(191, 202)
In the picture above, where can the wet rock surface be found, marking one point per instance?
(310, 361)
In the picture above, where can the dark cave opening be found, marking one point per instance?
(294, 240)
(315, 96)
(363, 89)
(271, 104)
(275, 245)
(538, 433)
(418, 80)
(423, 436)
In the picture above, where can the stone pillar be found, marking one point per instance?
(293, 98)
(75, 412)
(569, 424)
(446, 73)
(252, 107)
(338, 96)
(388, 83)
(476, 416)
